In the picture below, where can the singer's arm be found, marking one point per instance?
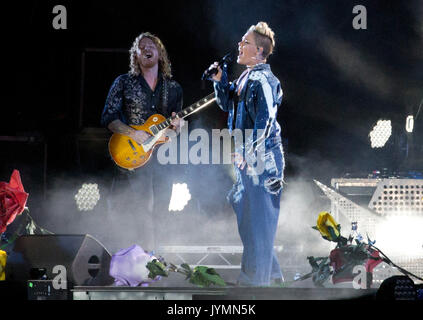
(223, 90)
(265, 106)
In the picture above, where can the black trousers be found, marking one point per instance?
(137, 201)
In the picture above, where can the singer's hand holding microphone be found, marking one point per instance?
(217, 76)
(214, 72)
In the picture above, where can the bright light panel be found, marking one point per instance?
(401, 235)
(380, 133)
(409, 124)
(87, 197)
(180, 197)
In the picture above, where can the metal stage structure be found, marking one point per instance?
(225, 256)
(370, 202)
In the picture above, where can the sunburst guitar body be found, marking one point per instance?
(128, 154)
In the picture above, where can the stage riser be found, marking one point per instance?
(130, 296)
(229, 294)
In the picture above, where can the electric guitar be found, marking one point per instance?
(128, 154)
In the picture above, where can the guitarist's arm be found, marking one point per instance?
(112, 112)
(177, 123)
(117, 126)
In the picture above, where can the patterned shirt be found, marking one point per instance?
(132, 101)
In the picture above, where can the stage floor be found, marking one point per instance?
(228, 293)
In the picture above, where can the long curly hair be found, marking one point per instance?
(164, 62)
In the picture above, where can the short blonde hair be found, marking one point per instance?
(265, 37)
(164, 62)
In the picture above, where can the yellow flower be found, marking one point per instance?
(327, 226)
(3, 258)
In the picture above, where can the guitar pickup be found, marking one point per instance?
(154, 130)
(132, 145)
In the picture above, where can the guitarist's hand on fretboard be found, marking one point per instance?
(176, 123)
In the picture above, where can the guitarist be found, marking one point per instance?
(145, 90)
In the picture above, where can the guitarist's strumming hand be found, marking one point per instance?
(140, 136)
(118, 126)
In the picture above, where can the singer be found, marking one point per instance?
(252, 102)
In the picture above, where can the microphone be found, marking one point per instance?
(211, 72)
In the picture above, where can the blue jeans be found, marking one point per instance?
(256, 203)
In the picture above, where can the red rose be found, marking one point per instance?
(372, 263)
(343, 272)
(338, 262)
(12, 200)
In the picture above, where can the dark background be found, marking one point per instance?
(337, 83)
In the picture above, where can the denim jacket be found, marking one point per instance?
(257, 107)
(256, 113)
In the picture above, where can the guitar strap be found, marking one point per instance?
(165, 98)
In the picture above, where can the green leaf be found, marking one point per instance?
(332, 233)
(186, 267)
(156, 268)
(186, 270)
(205, 277)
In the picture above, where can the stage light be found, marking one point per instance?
(87, 197)
(401, 235)
(180, 197)
(409, 124)
(380, 133)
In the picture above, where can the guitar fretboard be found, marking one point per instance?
(187, 111)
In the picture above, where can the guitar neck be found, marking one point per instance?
(188, 111)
